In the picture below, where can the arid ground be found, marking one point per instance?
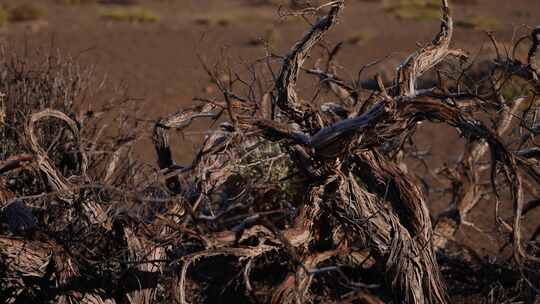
(154, 50)
(158, 60)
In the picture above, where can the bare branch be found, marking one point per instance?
(426, 58)
(285, 92)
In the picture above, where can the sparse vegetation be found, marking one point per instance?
(25, 12)
(4, 16)
(478, 22)
(515, 87)
(360, 37)
(420, 10)
(293, 4)
(132, 14)
(231, 16)
(269, 37)
(20, 13)
(287, 200)
(77, 2)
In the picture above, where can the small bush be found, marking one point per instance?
(231, 17)
(77, 2)
(420, 10)
(135, 15)
(25, 12)
(360, 37)
(288, 200)
(4, 16)
(270, 37)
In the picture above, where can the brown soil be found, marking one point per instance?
(158, 61)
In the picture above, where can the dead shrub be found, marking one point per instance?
(287, 200)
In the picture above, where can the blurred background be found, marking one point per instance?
(152, 47)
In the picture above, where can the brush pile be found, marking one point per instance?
(287, 200)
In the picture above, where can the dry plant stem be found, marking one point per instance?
(160, 137)
(413, 218)
(315, 190)
(25, 257)
(333, 137)
(402, 237)
(238, 252)
(285, 94)
(34, 259)
(113, 164)
(467, 176)
(14, 162)
(500, 156)
(56, 180)
(295, 287)
(64, 189)
(2, 110)
(338, 86)
(426, 58)
(535, 35)
(139, 251)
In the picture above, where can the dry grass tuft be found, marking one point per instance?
(4, 16)
(232, 16)
(133, 15)
(419, 10)
(25, 12)
(77, 2)
(360, 37)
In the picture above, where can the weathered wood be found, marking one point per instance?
(426, 58)
(286, 97)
